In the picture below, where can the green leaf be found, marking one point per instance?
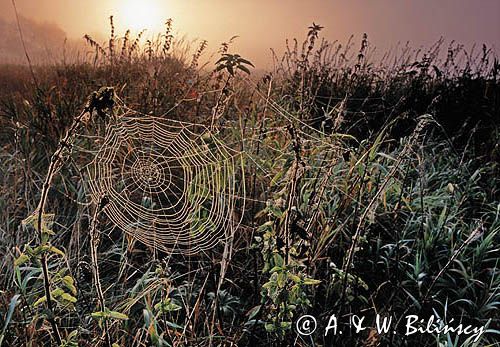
(253, 312)
(276, 269)
(40, 301)
(41, 249)
(56, 251)
(376, 145)
(47, 231)
(276, 178)
(270, 327)
(99, 315)
(278, 260)
(311, 281)
(72, 336)
(167, 306)
(285, 325)
(109, 314)
(267, 226)
(118, 315)
(281, 280)
(45, 238)
(69, 283)
(13, 303)
(276, 212)
(68, 297)
(57, 292)
(23, 258)
(174, 325)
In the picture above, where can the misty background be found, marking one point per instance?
(55, 28)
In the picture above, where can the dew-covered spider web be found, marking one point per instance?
(179, 187)
(173, 186)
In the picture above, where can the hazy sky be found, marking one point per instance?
(262, 24)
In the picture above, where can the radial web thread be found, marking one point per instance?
(173, 186)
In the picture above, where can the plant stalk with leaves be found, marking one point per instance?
(99, 102)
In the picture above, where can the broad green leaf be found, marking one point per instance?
(56, 251)
(23, 258)
(69, 283)
(311, 281)
(278, 259)
(41, 249)
(68, 297)
(276, 269)
(118, 315)
(57, 292)
(40, 301)
(99, 315)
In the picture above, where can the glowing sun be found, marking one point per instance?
(142, 14)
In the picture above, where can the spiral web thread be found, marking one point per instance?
(175, 186)
(171, 185)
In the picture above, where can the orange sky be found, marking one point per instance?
(262, 24)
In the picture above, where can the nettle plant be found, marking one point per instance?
(28, 269)
(57, 293)
(286, 287)
(281, 240)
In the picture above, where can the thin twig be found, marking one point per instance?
(24, 45)
(94, 244)
(55, 163)
(98, 101)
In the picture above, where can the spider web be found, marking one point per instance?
(171, 185)
(177, 187)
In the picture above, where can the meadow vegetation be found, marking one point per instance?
(372, 187)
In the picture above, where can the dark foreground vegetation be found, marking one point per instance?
(372, 187)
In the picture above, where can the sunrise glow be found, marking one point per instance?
(142, 14)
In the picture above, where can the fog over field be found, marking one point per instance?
(260, 24)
